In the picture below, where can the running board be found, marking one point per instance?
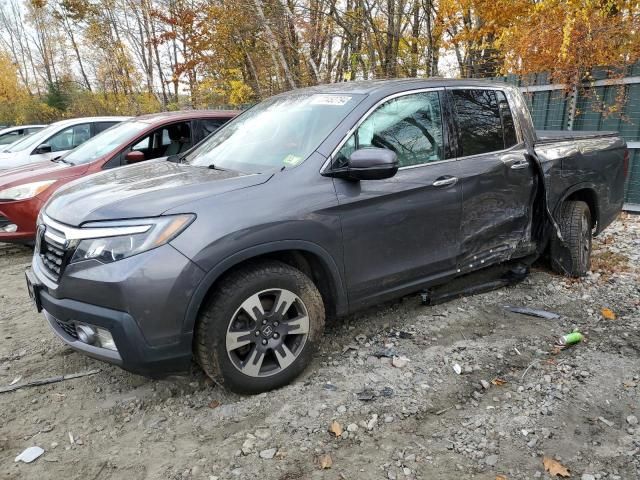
(491, 278)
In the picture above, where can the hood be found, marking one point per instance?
(35, 172)
(147, 189)
(14, 159)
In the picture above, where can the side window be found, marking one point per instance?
(70, 138)
(209, 126)
(508, 126)
(168, 140)
(479, 122)
(410, 125)
(102, 126)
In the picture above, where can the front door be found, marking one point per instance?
(402, 231)
(498, 184)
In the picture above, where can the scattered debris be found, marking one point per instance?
(554, 467)
(16, 380)
(387, 392)
(45, 381)
(366, 395)
(29, 454)
(386, 353)
(533, 312)
(324, 461)
(457, 368)
(632, 420)
(570, 339)
(335, 428)
(71, 439)
(214, 404)
(608, 314)
(499, 382)
(268, 454)
(400, 362)
(608, 423)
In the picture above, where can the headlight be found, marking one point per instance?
(113, 241)
(28, 190)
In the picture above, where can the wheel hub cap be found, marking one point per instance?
(267, 332)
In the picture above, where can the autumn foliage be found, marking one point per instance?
(79, 57)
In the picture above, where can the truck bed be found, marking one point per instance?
(546, 136)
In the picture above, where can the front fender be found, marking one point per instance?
(271, 247)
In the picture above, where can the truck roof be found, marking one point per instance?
(366, 87)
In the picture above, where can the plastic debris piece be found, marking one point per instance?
(533, 312)
(29, 455)
(366, 395)
(570, 339)
(457, 368)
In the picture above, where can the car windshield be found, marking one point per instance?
(279, 132)
(105, 142)
(32, 140)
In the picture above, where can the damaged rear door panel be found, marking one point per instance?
(498, 182)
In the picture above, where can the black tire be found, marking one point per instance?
(573, 256)
(219, 315)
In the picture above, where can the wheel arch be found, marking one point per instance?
(308, 257)
(587, 193)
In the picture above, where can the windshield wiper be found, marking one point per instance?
(60, 159)
(213, 167)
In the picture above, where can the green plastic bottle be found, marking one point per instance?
(570, 339)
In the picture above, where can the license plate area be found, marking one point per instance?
(33, 288)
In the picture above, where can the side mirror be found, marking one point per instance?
(44, 148)
(134, 157)
(369, 164)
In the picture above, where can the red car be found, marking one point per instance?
(24, 190)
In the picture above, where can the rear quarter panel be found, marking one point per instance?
(590, 163)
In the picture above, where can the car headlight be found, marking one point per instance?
(28, 190)
(114, 240)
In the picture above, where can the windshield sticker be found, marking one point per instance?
(292, 160)
(334, 100)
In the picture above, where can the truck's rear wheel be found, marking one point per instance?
(260, 328)
(573, 256)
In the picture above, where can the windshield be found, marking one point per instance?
(107, 141)
(32, 140)
(279, 132)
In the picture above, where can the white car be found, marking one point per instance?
(54, 140)
(10, 135)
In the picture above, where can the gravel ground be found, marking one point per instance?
(386, 376)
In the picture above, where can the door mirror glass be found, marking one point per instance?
(134, 157)
(44, 148)
(369, 164)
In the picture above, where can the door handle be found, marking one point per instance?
(520, 164)
(445, 181)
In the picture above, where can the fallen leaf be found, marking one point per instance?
(335, 428)
(498, 381)
(324, 461)
(608, 314)
(501, 477)
(214, 404)
(554, 467)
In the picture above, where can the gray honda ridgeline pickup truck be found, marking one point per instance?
(314, 203)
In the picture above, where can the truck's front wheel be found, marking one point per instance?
(572, 256)
(260, 328)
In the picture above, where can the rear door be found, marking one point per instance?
(497, 182)
(402, 231)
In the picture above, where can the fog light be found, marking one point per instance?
(86, 334)
(12, 227)
(106, 340)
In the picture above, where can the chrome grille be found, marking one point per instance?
(51, 246)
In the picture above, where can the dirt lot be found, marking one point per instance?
(515, 401)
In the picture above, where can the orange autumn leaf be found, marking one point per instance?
(501, 477)
(324, 461)
(335, 428)
(554, 467)
(608, 314)
(498, 381)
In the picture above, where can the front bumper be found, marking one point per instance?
(140, 300)
(24, 214)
